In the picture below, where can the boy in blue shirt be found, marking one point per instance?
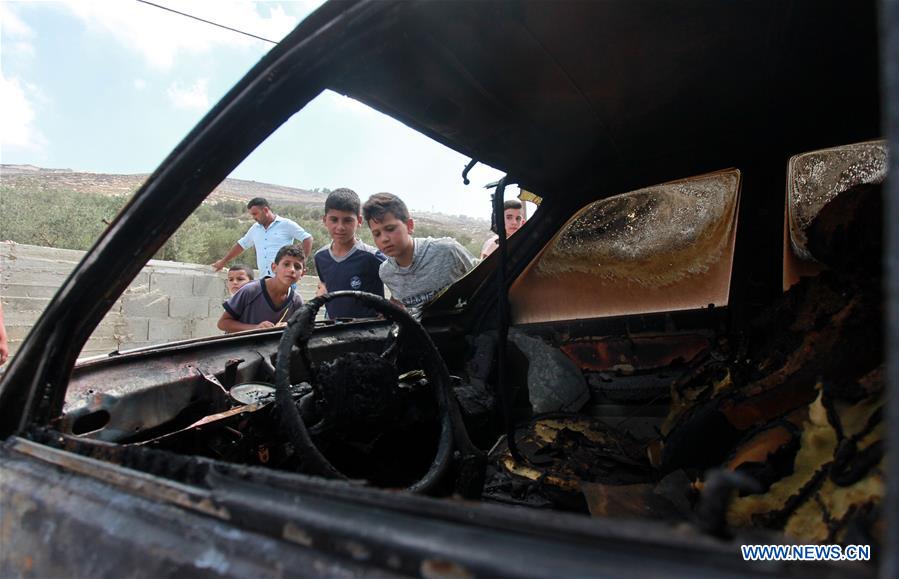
(347, 263)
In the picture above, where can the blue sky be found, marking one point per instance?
(112, 87)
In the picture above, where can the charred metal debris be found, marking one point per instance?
(779, 428)
(752, 435)
(755, 436)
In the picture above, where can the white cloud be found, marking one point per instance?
(15, 34)
(140, 84)
(20, 49)
(160, 36)
(11, 26)
(17, 130)
(195, 96)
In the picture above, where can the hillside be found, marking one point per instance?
(68, 209)
(28, 178)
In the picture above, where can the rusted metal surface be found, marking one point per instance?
(145, 485)
(835, 487)
(239, 411)
(663, 248)
(145, 390)
(153, 388)
(634, 501)
(817, 178)
(812, 451)
(761, 447)
(652, 237)
(803, 419)
(833, 210)
(560, 453)
(641, 353)
(136, 525)
(278, 528)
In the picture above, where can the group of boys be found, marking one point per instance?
(414, 269)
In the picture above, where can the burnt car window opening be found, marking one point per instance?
(823, 186)
(663, 248)
(681, 353)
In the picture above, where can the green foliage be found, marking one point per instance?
(473, 246)
(72, 220)
(63, 219)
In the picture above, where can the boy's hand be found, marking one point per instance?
(218, 265)
(265, 324)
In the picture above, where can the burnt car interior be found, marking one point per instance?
(689, 333)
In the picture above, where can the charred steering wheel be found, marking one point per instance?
(295, 342)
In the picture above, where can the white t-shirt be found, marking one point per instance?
(280, 232)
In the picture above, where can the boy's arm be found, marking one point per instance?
(322, 289)
(227, 323)
(488, 247)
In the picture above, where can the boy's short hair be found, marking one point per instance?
(343, 199)
(511, 204)
(241, 267)
(257, 202)
(291, 250)
(380, 204)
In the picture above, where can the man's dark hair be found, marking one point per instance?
(512, 204)
(291, 250)
(241, 267)
(380, 204)
(343, 200)
(257, 202)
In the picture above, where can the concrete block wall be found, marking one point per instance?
(167, 301)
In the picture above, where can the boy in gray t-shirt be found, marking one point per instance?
(417, 269)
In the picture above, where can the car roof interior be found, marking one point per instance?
(706, 86)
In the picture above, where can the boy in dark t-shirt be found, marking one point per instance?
(269, 301)
(347, 263)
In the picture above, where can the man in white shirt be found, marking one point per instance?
(269, 234)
